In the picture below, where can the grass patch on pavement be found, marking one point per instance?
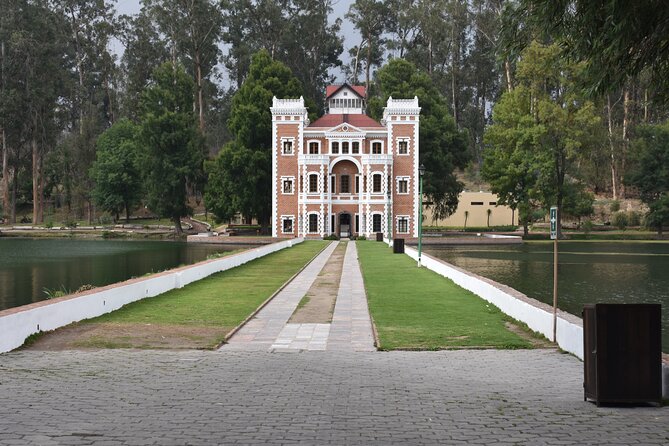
(415, 308)
(222, 300)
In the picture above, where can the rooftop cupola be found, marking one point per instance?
(346, 99)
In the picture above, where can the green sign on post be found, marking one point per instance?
(553, 222)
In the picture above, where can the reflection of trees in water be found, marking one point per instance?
(57, 264)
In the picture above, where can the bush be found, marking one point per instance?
(85, 287)
(361, 237)
(587, 226)
(105, 220)
(71, 224)
(614, 206)
(633, 218)
(331, 237)
(48, 224)
(619, 220)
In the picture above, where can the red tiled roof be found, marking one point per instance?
(332, 89)
(329, 121)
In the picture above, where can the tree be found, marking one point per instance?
(172, 147)
(295, 32)
(541, 127)
(240, 177)
(193, 28)
(369, 17)
(651, 175)
(116, 170)
(615, 40)
(442, 147)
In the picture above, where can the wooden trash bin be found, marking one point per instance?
(398, 246)
(379, 236)
(622, 350)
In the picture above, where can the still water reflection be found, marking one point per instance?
(28, 266)
(615, 272)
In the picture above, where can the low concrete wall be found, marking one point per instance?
(16, 324)
(537, 315)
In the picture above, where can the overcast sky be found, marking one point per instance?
(340, 7)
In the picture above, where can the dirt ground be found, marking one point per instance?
(85, 336)
(321, 297)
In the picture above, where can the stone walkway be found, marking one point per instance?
(121, 397)
(351, 328)
(261, 331)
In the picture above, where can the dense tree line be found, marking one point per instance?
(548, 100)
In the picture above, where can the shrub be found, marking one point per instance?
(614, 206)
(105, 220)
(85, 287)
(633, 218)
(331, 237)
(48, 224)
(71, 224)
(619, 220)
(361, 237)
(587, 226)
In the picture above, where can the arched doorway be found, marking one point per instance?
(344, 225)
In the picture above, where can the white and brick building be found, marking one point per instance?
(345, 173)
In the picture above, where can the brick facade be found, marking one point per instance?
(329, 177)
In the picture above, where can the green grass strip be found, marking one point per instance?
(415, 308)
(222, 299)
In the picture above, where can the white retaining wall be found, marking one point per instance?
(569, 333)
(17, 324)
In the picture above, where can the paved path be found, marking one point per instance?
(351, 328)
(351, 324)
(261, 331)
(117, 397)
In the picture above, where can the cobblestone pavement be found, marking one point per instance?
(118, 397)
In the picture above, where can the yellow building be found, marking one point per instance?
(474, 207)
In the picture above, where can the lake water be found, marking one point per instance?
(588, 272)
(28, 266)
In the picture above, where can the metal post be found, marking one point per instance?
(555, 287)
(420, 217)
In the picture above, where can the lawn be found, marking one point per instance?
(221, 301)
(415, 308)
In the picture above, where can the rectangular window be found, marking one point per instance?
(335, 147)
(403, 186)
(477, 203)
(376, 148)
(355, 147)
(313, 183)
(357, 223)
(357, 184)
(493, 203)
(376, 183)
(332, 223)
(403, 147)
(287, 186)
(287, 227)
(344, 186)
(287, 147)
(344, 148)
(313, 148)
(332, 184)
(403, 225)
(376, 223)
(313, 223)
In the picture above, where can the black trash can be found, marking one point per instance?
(379, 236)
(398, 246)
(622, 353)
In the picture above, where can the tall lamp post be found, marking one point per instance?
(421, 172)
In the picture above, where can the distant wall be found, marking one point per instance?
(537, 315)
(477, 205)
(16, 324)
